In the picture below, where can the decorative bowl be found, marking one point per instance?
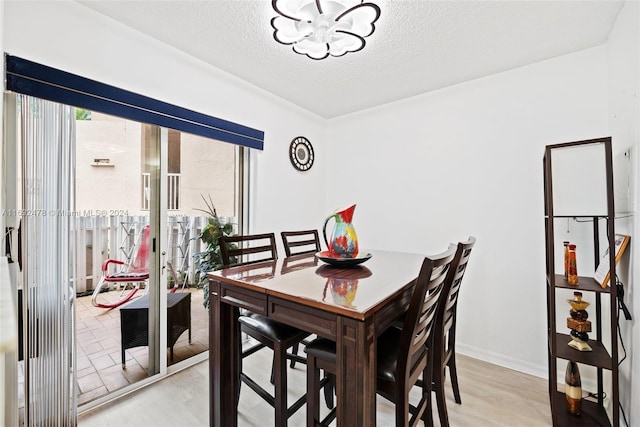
(343, 262)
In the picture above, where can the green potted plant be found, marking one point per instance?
(210, 259)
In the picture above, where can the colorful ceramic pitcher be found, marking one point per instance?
(344, 242)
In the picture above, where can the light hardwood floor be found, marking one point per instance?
(491, 396)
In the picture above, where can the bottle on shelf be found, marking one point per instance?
(573, 388)
(572, 277)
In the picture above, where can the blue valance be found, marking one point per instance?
(31, 78)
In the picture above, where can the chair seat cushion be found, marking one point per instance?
(388, 342)
(275, 331)
(322, 348)
(127, 276)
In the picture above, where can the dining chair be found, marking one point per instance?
(247, 249)
(444, 335)
(250, 249)
(300, 242)
(402, 355)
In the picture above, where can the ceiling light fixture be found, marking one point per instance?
(319, 28)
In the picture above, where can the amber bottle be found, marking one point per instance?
(573, 267)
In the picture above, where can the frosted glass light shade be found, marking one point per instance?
(319, 28)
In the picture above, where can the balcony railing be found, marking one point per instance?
(173, 191)
(98, 238)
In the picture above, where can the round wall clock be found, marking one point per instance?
(301, 153)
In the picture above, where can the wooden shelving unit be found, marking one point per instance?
(604, 356)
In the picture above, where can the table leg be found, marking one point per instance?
(224, 354)
(356, 374)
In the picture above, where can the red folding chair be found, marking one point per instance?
(135, 274)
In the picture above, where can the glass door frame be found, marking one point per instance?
(157, 256)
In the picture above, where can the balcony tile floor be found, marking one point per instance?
(98, 346)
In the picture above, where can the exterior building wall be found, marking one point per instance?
(208, 168)
(114, 187)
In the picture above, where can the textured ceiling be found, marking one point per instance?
(418, 45)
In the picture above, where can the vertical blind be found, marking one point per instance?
(48, 261)
(30, 78)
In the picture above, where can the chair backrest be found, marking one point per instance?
(420, 318)
(141, 262)
(300, 242)
(247, 249)
(448, 308)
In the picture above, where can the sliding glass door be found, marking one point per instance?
(135, 216)
(130, 176)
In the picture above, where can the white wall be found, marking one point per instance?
(1, 106)
(467, 160)
(624, 122)
(478, 147)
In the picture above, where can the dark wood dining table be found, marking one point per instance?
(349, 305)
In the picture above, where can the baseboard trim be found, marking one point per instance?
(540, 371)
